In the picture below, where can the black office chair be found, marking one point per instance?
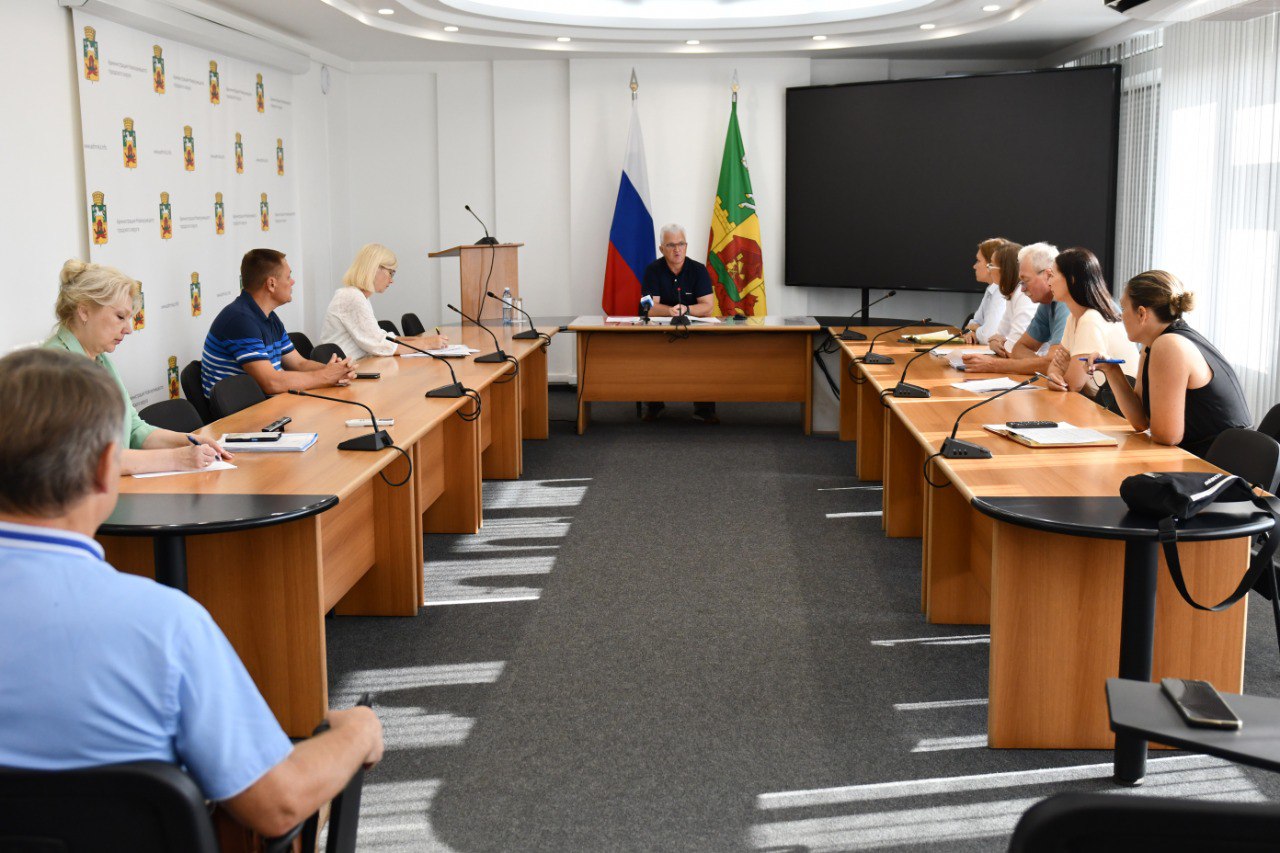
(178, 415)
(234, 393)
(412, 325)
(324, 352)
(301, 343)
(1110, 823)
(193, 390)
(388, 326)
(1249, 454)
(1271, 423)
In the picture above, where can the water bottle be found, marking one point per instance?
(507, 310)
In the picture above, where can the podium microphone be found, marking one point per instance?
(453, 390)
(955, 448)
(905, 388)
(529, 333)
(486, 240)
(681, 319)
(376, 440)
(872, 357)
(847, 335)
(488, 358)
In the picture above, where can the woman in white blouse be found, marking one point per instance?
(1019, 309)
(991, 310)
(1093, 325)
(350, 322)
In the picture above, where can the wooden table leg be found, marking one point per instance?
(870, 449)
(393, 585)
(848, 400)
(807, 374)
(903, 481)
(584, 407)
(955, 576)
(533, 394)
(457, 509)
(503, 459)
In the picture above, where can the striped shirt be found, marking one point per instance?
(241, 333)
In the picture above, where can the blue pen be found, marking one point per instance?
(192, 439)
(1106, 360)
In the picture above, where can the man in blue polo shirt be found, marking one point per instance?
(99, 667)
(248, 337)
(1030, 354)
(678, 285)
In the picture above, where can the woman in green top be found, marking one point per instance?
(95, 311)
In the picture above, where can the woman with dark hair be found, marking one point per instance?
(1186, 393)
(1093, 324)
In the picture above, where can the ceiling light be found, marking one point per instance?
(927, 26)
(819, 38)
(563, 39)
(386, 11)
(693, 41)
(450, 29)
(991, 7)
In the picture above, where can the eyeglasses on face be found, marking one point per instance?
(673, 246)
(391, 273)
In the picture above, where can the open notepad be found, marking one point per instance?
(1063, 435)
(984, 386)
(451, 351)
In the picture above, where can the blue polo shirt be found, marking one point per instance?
(99, 667)
(684, 288)
(1048, 324)
(241, 333)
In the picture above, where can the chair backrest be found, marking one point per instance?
(412, 325)
(234, 393)
(120, 808)
(324, 352)
(301, 343)
(1270, 424)
(1248, 454)
(388, 326)
(178, 415)
(194, 390)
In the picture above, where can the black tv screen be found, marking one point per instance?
(894, 184)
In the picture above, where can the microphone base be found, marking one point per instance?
(526, 335)
(495, 357)
(850, 335)
(370, 441)
(954, 448)
(487, 241)
(454, 390)
(906, 389)
(681, 320)
(877, 358)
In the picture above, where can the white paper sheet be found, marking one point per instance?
(216, 465)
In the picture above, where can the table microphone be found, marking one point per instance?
(847, 335)
(376, 440)
(905, 388)
(646, 305)
(529, 333)
(955, 448)
(454, 390)
(487, 240)
(874, 357)
(494, 357)
(680, 319)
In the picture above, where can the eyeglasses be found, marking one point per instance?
(673, 246)
(391, 273)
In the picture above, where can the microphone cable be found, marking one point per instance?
(474, 395)
(407, 477)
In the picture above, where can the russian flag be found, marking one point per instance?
(632, 246)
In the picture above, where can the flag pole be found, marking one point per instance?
(735, 85)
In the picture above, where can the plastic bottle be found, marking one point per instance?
(507, 310)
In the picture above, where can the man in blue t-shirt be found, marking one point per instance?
(1030, 353)
(99, 667)
(678, 285)
(248, 337)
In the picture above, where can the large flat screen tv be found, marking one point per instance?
(894, 184)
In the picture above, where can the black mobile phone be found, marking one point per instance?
(368, 375)
(1199, 704)
(278, 425)
(922, 349)
(252, 436)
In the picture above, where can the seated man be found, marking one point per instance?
(678, 285)
(1031, 352)
(100, 667)
(248, 337)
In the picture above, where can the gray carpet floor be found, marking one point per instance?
(662, 641)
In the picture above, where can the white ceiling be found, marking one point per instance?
(525, 29)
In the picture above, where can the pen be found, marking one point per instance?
(437, 330)
(1106, 360)
(192, 439)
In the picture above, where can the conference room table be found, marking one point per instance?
(269, 587)
(1053, 601)
(757, 359)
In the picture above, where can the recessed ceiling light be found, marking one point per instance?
(450, 29)
(991, 7)
(563, 39)
(693, 41)
(386, 11)
(927, 26)
(819, 38)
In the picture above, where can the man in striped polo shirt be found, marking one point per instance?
(248, 337)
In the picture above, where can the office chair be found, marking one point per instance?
(178, 415)
(1249, 454)
(388, 326)
(193, 390)
(412, 325)
(324, 352)
(1110, 823)
(1271, 423)
(234, 393)
(301, 343)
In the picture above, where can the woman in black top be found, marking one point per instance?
(1186, 392)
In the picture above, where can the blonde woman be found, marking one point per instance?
(349, 321)
(95, 311)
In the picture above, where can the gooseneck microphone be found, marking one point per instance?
(488, 358)
(872, 357)
(486, 240)
(681, 319)
(529, 333)
(376, 440)
(453, 390)
(646, 305)
(847, 335)
(955, 448)
(905, 388)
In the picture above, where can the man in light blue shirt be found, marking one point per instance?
(99, 667)
(1029, 354)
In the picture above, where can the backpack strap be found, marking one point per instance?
(1263, 560)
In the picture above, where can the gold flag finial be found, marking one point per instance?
(217, 197)
(157, 50)
(186, 130)
(213, 66)
(264, 196)
(90, 33)
(164, 198)
(635, 84)
(128, 124)
(98, 198)
(735, 85)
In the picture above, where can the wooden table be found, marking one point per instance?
(268, 589)
(765, 359)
